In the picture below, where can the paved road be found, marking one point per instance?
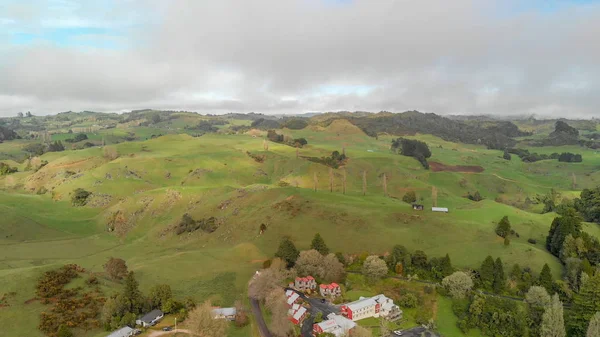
(316, 305)
(260, 320)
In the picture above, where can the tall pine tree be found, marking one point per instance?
(319, 245)
(499, 277)
(486, 273)
(287, 251)
(586, 304)
(446, 266)
(545, 279)
(133, 298)
(553, 322)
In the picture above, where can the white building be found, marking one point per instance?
(375, 306)
(224, 313)
(439, 209)
(335, 324)
(123, 332)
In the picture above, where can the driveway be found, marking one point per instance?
(416, 332)
(260, 320)
(166, 333)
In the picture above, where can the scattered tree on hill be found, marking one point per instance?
(587, 204)
(486, 273)
(586, 304)
(409, 197)
(287, 251)
(262, 228)
(276, 302)
(594, 327)
(110, 152)
(458, 284)
(80, 197)
(561, 227)
(35, 149)
(201, 322)
(506, 155)
(5, 169)
(506, 241)
(503, 227)
(475, 196)
(57, 146)
(499, 277)
(374, 268)
(116, 268)
(412, 148)
(570, 157)
(553, 324)
(545, 279)
(133, 299)
(319, 245)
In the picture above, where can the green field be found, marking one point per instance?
(154, 182)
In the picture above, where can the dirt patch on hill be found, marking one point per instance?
(439, 167)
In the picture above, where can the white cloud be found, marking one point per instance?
(296, 55)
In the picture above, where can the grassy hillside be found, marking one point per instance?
(147, 189)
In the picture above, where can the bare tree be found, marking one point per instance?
(374, 268)
(202, 323)
(364, 182)
(268, 279)
(458, 284)
(276, 302)
(310, 262)
(333, 269)
(116, 268)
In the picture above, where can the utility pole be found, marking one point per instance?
(385, 193)
(364, 182)
(330, 179)
(344, 181)
(434, 194)
(297, 153)
(315, 180)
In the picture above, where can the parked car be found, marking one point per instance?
(398, 332)
(323, 300)
(167, 328)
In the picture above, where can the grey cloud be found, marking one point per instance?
(272, 56)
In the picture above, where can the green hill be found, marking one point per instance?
(138, 199)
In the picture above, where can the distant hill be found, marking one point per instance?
(411, 122)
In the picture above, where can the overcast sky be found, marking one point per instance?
(292, 56)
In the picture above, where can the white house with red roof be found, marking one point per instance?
(297, 313)
(332, 290)
(305, 283)
(292, 297)
(376, 306)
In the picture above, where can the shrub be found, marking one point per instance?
(5, 169)
(80, 197)
(503, 229)
(408, 301)
(475, 196)
(532, 241)
(409, 197)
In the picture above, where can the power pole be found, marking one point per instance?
(364, 182)
(344, 181)
(330, 179)
(385, 193)
(315, 180)
(297, 152)
(434, 194)
(574, 179)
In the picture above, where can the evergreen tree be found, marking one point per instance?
(545, 279)
(397, 256)
(586, 304)
(287, 251)
(553, 322)
(486, 273)
(561, 227)
(133, 299)
(503, 228)
(319, 245)
(499, 277)
(516, 273)
(594, 327)
(446, 266)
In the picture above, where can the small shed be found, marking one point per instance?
(417, 207)
(439, 209)
(224, 313)
(123, 332)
